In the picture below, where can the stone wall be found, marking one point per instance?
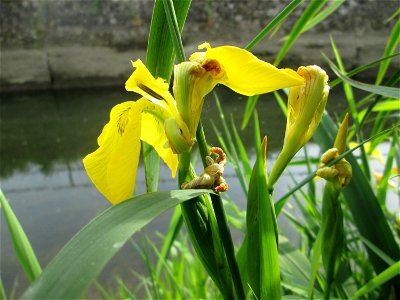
(124, 23)
(52, 30)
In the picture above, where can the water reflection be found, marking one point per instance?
(44, 137)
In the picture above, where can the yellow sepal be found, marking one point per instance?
(112, 167)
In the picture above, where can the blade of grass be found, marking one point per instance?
(330, 9)
(227, 241)
(294, 262)
(391, 45)
(376, 89)
(347, 88)
(242, 150)
(362, 68)
(124, 291)
(147, 261)
(160, 49)
(2, 291)
(103, 292)
(248, 111)
(232, 149)
(377, 281)
(309, 12)
(174, 228)
(281, 102)
(353, 108)
(383, 116)
(275, 21)
(378, 251)
(174, 30)
(262, 239)
(22, 246)
(383, 184)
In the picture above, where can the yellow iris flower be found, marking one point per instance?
(169, 124)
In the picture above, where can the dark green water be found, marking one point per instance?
(44, 137)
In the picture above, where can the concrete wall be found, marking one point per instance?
(64, 43)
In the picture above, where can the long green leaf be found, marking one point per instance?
(383, 185)
(174, 30)
(81, 260)
(244, 158)
(20, 241)
(279, 18)
(333, 6)
(250, 105)
(362, 68)
(160, 50)
(308, 13)
(377, 281)
(376, 89)
(174, 227)
(346, 87)
(391, 45)
(263, 273)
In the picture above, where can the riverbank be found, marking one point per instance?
(93, 66)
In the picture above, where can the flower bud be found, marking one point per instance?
(305, 108)
(341, 172)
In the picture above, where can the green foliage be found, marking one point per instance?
(82, 259)
(22, 246)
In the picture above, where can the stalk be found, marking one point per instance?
(224, 231)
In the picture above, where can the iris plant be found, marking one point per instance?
(169, 123)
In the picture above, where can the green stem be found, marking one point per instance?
(227, 242)
(223, 227)
(185, 170)
(202, 226)
(174, 30)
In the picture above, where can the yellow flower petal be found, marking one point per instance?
(112, 167)
(246, 74)
(153, 133)
(156, 90)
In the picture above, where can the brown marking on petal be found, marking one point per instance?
(214, 67)
(150, 91)
(123, 120)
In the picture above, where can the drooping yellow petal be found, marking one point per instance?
(156, 90)
(112, 167)
(153, 133)
(244, 73)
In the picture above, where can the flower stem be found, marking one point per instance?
(223, 227)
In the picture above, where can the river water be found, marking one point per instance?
(44, 137)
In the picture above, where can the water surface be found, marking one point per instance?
(44, 137)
